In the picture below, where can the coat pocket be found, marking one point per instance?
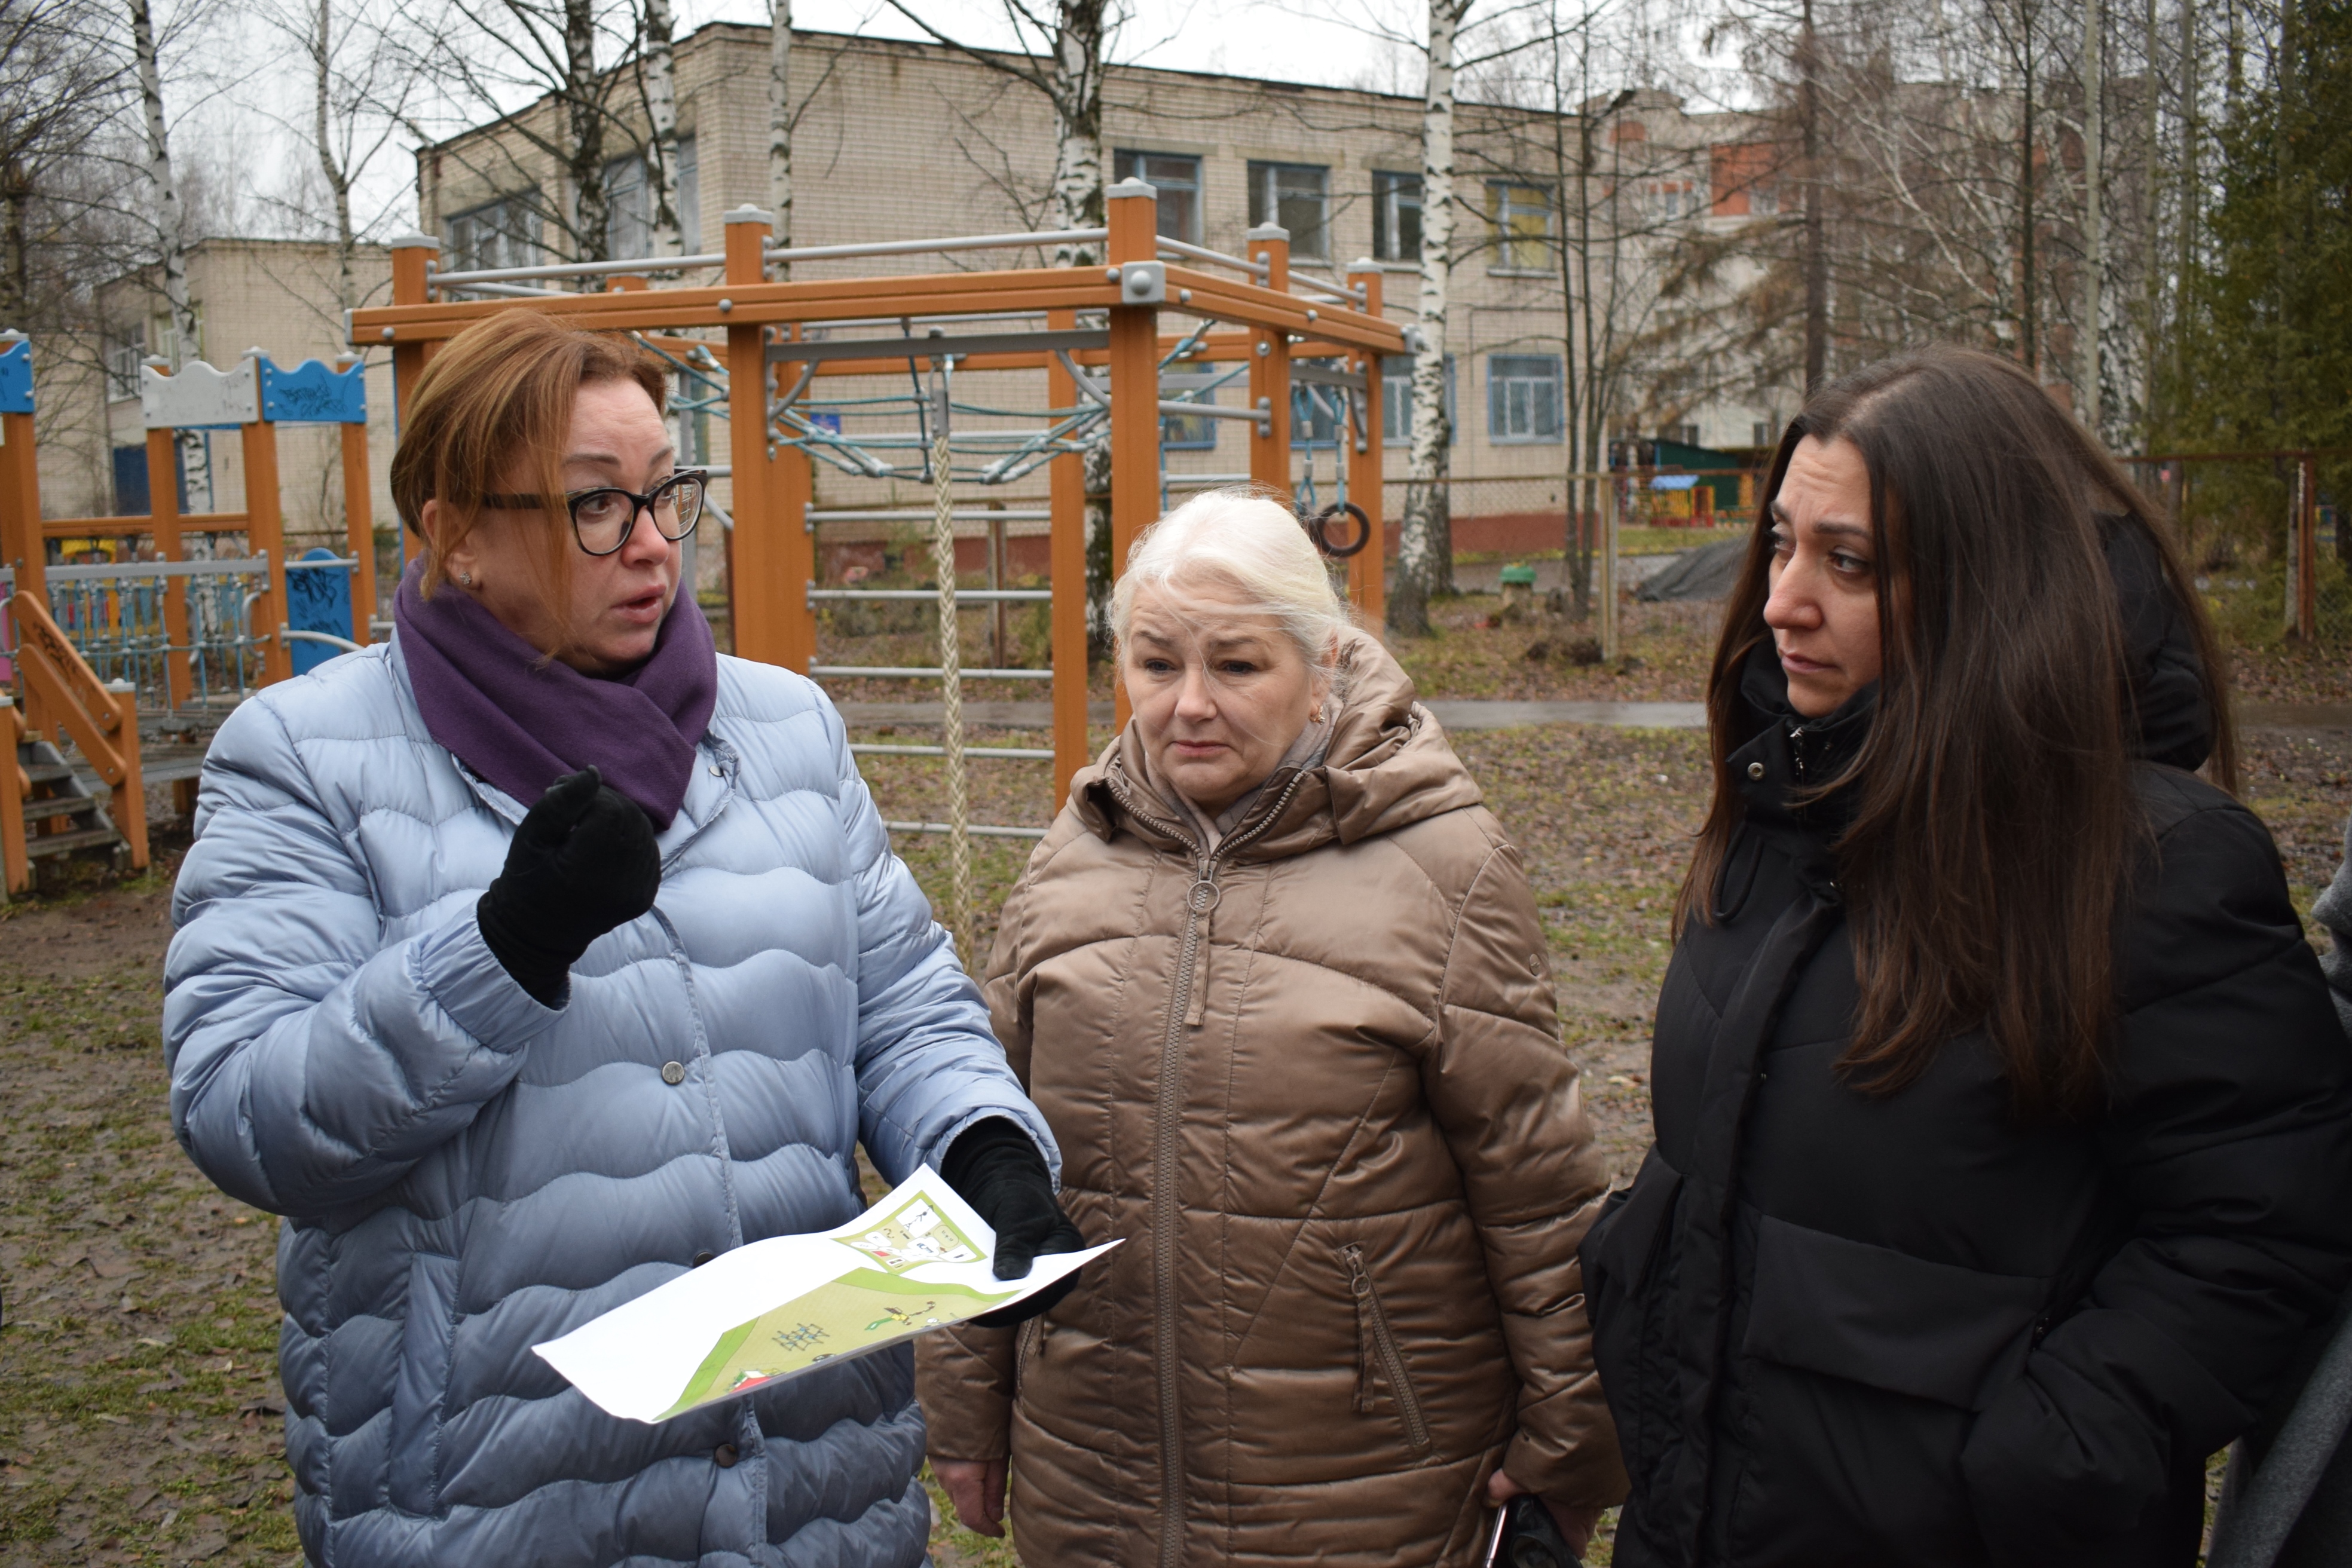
(1623, 1244)
(1377, 1348)
(421, 1387)
(1871, 1315)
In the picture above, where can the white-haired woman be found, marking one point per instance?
(1277, 982)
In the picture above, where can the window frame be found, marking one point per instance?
(1205, 432)
(1137, 159)
(1500, 382)
(1389, 201)
(1265, 206)
(626, 201)
(1500, 210)
(1396, 402)
(465, 250)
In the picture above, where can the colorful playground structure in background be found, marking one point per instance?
(172, 631)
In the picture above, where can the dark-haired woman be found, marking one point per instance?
(531, 959)
(2004, 1126)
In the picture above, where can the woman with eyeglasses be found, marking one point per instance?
(538, 955)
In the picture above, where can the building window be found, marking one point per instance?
(1296, 196)
(503, 232)
(1184, 432)
(1764, 433)
(1523, 397)
(1522, 218)
(629, 208)
(1396, 401)
(123, 358)
(1396, 217)
(1745, 175)
(1665, 201)
(1175, 177)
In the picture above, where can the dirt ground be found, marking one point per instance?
(139, 1405)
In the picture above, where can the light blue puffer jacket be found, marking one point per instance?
(466, 1173)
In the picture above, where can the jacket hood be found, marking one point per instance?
(2171, 722)
(1388, 765)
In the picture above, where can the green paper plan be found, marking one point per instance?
(919, 1260)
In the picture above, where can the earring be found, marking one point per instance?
(467, 578)
(1317, 717)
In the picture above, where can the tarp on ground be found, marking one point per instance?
(1706, 572)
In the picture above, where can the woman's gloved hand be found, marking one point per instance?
(995, 1166)
(582, 863)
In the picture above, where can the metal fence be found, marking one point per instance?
(118, 615)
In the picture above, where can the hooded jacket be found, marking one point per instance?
(466, 1173)
(1839, 1329)
(1312, 1078)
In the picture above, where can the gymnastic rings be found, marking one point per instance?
(1318, 528)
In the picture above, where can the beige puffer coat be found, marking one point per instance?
(1314, 1079)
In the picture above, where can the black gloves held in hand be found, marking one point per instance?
(582, 863)
(995, 1166)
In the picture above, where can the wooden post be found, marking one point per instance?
(1134, 383)
(264, 534)
(2306, 546)
(1269, 377)
(1368, 568)
(794, 488)
(359, 521)
(21, 545)
(129, 794)
(764, 509)
(15, 860)
(164, 519)
(412, 254)
(1067, 475)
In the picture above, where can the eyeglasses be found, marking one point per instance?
(603, 517)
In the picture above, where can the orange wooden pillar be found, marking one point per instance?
(359, 520)
(1368, 568)
(264, 534)
(1269, 375)
(1133, 208)
(1067, 476)
(772, 558)
(21, 545)
(413, 256)
(163, 512)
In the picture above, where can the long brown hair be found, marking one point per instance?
(502, 390)
(1993, 825)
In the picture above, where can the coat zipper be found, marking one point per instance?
(1372, 1323)
(1202, 896)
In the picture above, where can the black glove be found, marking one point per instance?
(995, 1166)
(582, 863)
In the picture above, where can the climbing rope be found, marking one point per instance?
(943, 563)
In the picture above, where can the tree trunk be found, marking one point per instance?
(1077, 82)
(2152, 204)
(2027, 316)
(1817, 256)
(584, 120)
(1425, 546)
(15, 248)
(780, 125)
(162, 190)
(2095, 252)
(2187, 217)
(1575, 547)
(338, 178)
(661, 146)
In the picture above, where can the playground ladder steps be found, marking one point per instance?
(60, 791)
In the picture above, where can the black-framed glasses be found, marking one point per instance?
(603, 518)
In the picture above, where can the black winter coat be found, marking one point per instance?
(1841, 1330)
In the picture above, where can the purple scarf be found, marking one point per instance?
(523, 721)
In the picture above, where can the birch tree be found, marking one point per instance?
(1074, 42)
(1425, 548)
(781, 117)
(660, 86)
(163, 190)
(2094, 256)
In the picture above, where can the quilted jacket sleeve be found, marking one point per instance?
(965, 1375)
(2230, 1134)
(927, 1066)
(1504, 1092)
(312, 1065)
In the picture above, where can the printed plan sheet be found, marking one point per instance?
(919, 1260)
